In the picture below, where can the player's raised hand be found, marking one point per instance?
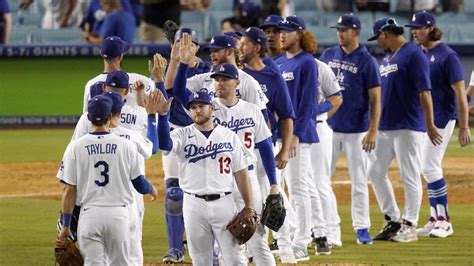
(186, 50)
(434, 136)
(174, 55)
(151, 102)
(163, 104)
(137, 86)
(157, 67)
(368, 142)
(464, 136)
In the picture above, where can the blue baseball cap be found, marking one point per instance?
(382, 24)
(271, 21)
(200, 96)
(99, 108)
(117, 102)
(292, 23)
(113, 47)
(226, 70)
(422, 19)
(117, 79)
(180, 32)
(233, 34)
(256, 35)
(221, 41)
(348, 21)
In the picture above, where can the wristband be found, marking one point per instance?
(66, 219)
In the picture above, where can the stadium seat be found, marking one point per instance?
(304, 5)
(22, 35)
(213, 22)
(194, 20)
(221, 5)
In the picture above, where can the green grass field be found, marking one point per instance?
(27, 232)
(51, 86)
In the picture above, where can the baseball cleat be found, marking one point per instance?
(442, 229)
(426, 229)
(322, 247)
(363, 237)
(301, 253)
(287, 256)
(389, 230)
(173, 256)
(407, 233)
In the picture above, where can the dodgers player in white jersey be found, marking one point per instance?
(86, 170)
(449, 103)
(117, 83)
(112, 51)
(406, 98)
(325, 220)
(211, 157)
(354, 127)
(247, 121)
(470, 94)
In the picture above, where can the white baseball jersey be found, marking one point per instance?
(327, 84)
(207, 164)
(248, 90)
(246, 120)
(471, 82)
(101, 167)
(133, 117)
(131, 97)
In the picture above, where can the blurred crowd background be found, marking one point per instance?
(141, 21)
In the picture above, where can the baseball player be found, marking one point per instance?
(406, 98)
(210, 158)
(247, 121)
(449, 103)
(270, 26)
(300, 72)
(112, 51)
(117, 82)
(178, 118)
(326, 231)
(252, 48)
(354, 126)
(88, 165)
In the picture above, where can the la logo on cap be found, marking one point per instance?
(212, 40)
(222, 68)
(113, 84)
(339, 20)
(196, 95)
(413, 18)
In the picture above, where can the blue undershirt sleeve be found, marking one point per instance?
(161, 86)
(179, 86)
(151, 133)
(142, 185)
(265, 148)
(164, 138)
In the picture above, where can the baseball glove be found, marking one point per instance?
(170, 28)
(274, 212)
(68, 254)
(243, 225)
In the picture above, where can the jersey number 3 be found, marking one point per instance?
(104, 173)
(224, 165)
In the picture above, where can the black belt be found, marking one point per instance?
(209, 197)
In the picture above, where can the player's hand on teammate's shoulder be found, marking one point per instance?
(464, 136)
(186, 50)
(157, 68)
(434, 136)
(369, 140)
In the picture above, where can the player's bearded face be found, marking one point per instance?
(218, 56)
(246, 50)
(346, 36)
(201, 113)
(288, 39)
